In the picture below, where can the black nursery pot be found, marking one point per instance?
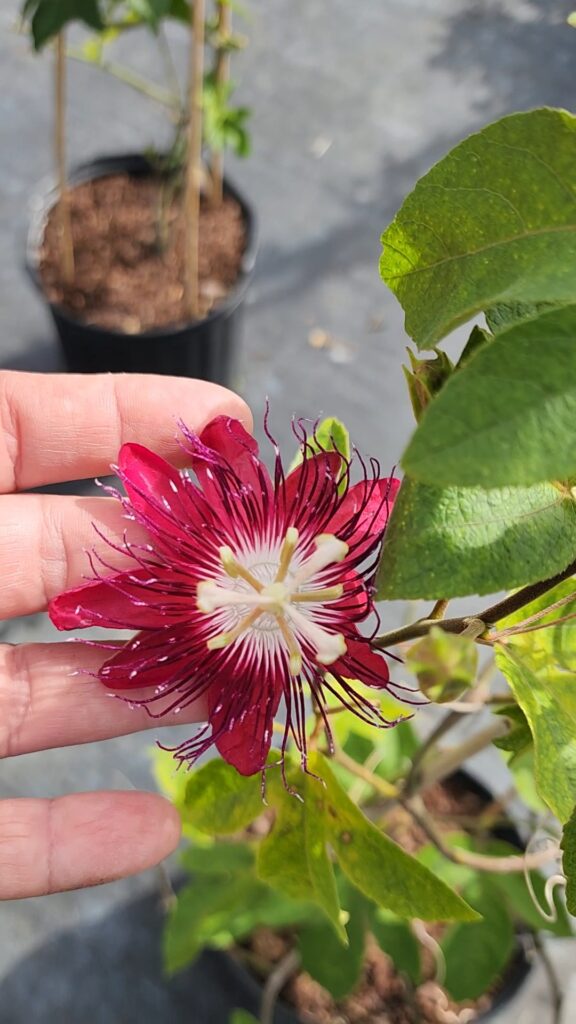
(207, 349)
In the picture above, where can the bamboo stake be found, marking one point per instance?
(221, 77)
(194, 159)
(65, 224)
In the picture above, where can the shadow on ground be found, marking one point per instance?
(111, 972)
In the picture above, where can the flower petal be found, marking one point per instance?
(363, 663)
(310, 493)
(141, 599)
(242, 717)
(224, 443)
(234, 481)
(363, 514)
(165, 658)
(166, 501)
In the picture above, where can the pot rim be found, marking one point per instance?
(43, 199)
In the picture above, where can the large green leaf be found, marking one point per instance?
(49, 17)
(293, 857)
(450, 542)
(509, 415)
(569, 861)
(493, 222)
(220, 801)
(547, 695)
(476, 954)
(375, 864)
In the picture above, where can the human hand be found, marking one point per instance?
(53, 429)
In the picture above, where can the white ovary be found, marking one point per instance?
(271, 596)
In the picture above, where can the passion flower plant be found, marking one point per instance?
(248, 594)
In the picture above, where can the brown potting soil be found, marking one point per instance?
(129, 256)
(382, 996)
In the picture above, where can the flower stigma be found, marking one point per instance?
(277, 601)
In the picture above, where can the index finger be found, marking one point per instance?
(70, 426)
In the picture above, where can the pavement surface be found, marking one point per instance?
(352, 103)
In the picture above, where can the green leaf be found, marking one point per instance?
(49, 17)
(218, 859)
(519, 737)
(450, 542)
(476, 954)
(293, 857)
(336, 967)
(425, 378)
(220, 801)
(180, 11)
(568, 846)
(493, 222)
(444, 664)
(506, 315)
(149, 12)
(509, 416)
(478, 338)
(375, 864)
(219, 912)
(396, 939)
(547, 695)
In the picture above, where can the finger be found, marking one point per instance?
(80, 840)
(43, 704)
(43, 542)
(64, 427)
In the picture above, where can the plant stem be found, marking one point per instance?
(386, 789)
(194, 159)
(131, 78)
(221, 76)
(275, 983)
(489, 616)
(444, 726)
(170, 67)
(65, 224)
(479, 861)
(450, 760)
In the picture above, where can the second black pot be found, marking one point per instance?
(207, 349)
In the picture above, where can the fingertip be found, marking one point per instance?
(228, 403)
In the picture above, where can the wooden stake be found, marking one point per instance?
(221, 76)
(65, 224)
(194, 158)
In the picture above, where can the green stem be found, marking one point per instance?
(448, 761)
(131, 78)
(488, 617)
(386, 789)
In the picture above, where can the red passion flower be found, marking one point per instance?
(248, 593)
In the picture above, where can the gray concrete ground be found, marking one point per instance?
(352, 102)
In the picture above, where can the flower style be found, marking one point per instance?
(248, 590)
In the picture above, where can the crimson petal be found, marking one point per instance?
(363, 514)
(363, 663)
(125, 601)
(242, 720)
